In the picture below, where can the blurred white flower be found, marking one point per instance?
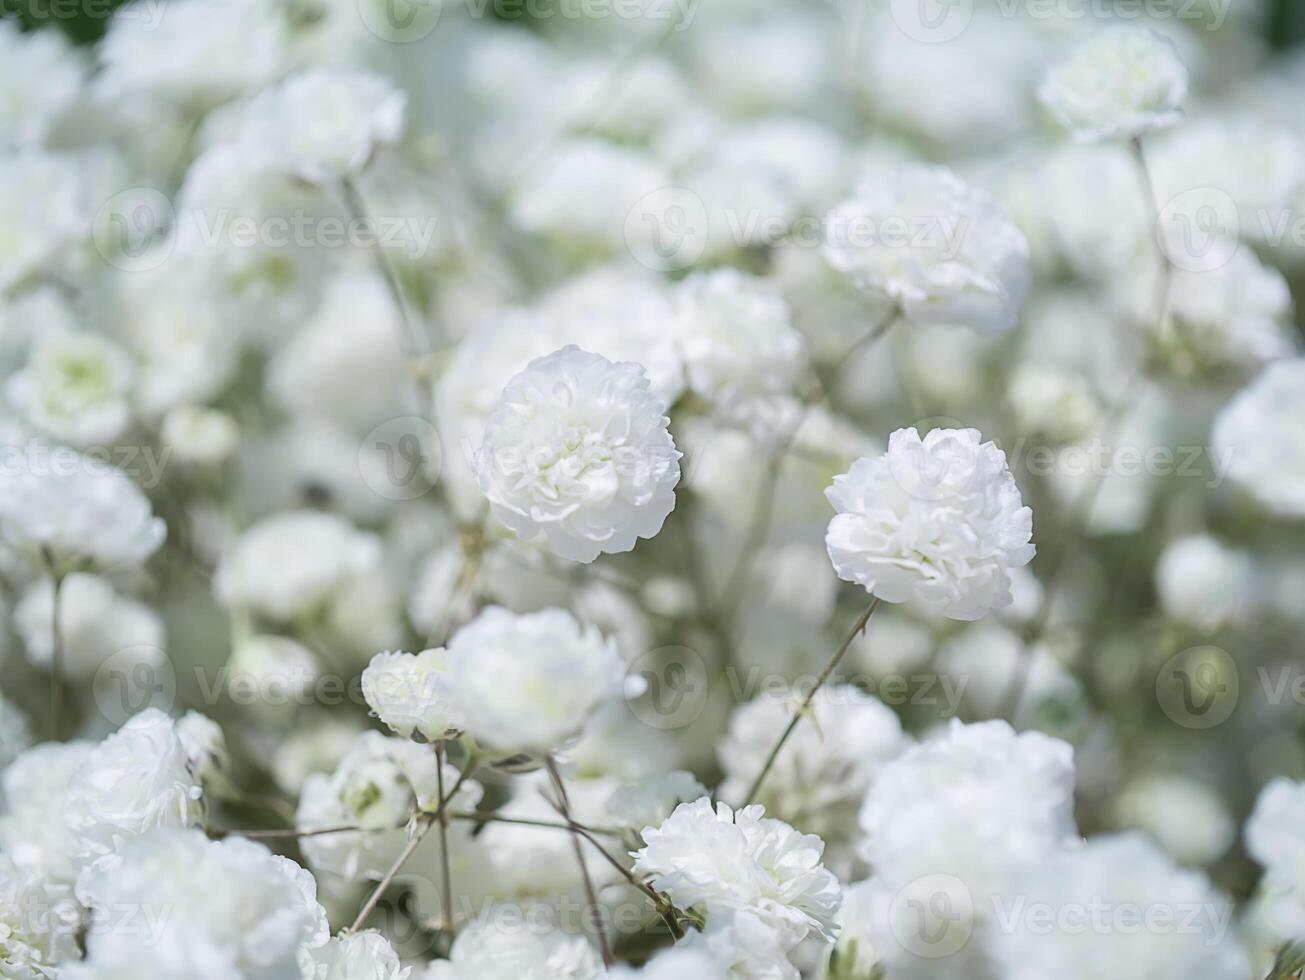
(944, 252)
(579, 451)
(1275, 839)
(291, 564)
(649, 802)
(1186, 816)
(1202, 581)
(1260, 441)
(673, 964)
(743, 946)
(406, 692)
(74, 389)
(135, 781)
(200, 436)
(529, 683)
(355, 956)
(77, 510)
(489, 950)
(1093, 893)
(721, 861)
(324, 125)
(206, 749)
(1119, 82)
(41, 76)
(271, 675)
(15, 731)
(45, 210)
(937, 520)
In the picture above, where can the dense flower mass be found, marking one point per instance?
(496, 492)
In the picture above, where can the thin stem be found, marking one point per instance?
(592, 896)
(798, 715)
(1165, 275)
(530, 822)
(446, 876)
(292, 834)
(868, 340)
(56, 651)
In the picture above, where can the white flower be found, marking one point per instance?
(74, 389)
(29, 947)
(1118, 83)
(1204, 582)
(1186, 816)
(206, 749)
(673, 964)
(135, 781)
(41, 76)
(325, 125)
(579, 451)
(721, 861)
(741, 352)
(944, 252)
(32, 831)
(821, 776)
(269, 673)
(1120, 910)
(976, 803)
(405, 691)
(94, 624)
(250, 910)
(78, 511)
(356, 956)
(1259, 438)
(649, 802)
(489, 950)
(742, 946)
(45, 209)
(938, 520)
(1274, 838)
(290, 564)
(15, 732)
(529, 683)
(200, 436)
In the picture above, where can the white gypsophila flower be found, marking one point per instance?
(77, 511)
(1097, 895)
(206, 749)
(944, 252)
(741, 352)
(938, 520)
(975, 803)
(528, 683)
(820, 778)
(94, 624)
(488, 950)
(355, 956)
(252, 910)
(315, 745)
(1260, 440)
(673, 964)
(174, 956)
(40, 78)
(271, 675)
(406, 692)
(325, 125)
(135, 781)
(15, 732)
(976, 668)
(199, 436)
(44, 210)
(742, 946)
(200, 53)
(32, 830)
(1274, 838)
(720, 861)
(293, 563)
(579, 451)
(29, 947)
(1202, 581)
(649, 802)
(74, 389)
(1118, 83)
(1053, 402)
(1185, 816)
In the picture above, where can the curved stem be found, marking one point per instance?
(591, 895)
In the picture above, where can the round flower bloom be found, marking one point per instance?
(721, 861)
(1118, 83)
(1096, 894)
(819, 779)
(579, 450)
(40, 78)
(45, 210)
(248, 909)
(200, 436)
(405, 691)
(945, 252)
(528, 684)
(291, 564)
(1275, 838)
(673, 964)
(1260, 441)
(32, 830)
(74, 389)
(206, 748)
(742, 946)
(741, 351)
(938, 520)
(649, 802)
(1186, 816)
(976, 803)
(488, 950)
(269, 673)
(79, 511)
(325, 125)
(1204, 582)
(135, 781)
(355, 956)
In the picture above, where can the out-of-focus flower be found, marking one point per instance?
(1260, 441)
(1202, 581)
(406, 692)
(15, 732)
(579, 451)
(722, 861)
(74, 389)
(325, 125)
(938, 520)
(649, 802)
(529, 683)
(945, 252)
(1120, 82)
(77, 511)
(1274, 838)
(44, 210)
(355, 956)
(40, 78)
(1186, 816)
(488, 950)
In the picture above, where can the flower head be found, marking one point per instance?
(1118, 83)
(75, 389)
(938, 520)
(1260, 438)
(579, 451)
(405, 691)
